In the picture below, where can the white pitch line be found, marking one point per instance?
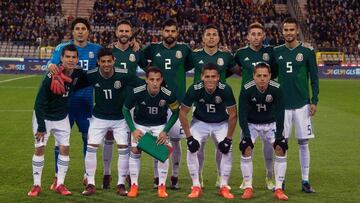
(19, 78)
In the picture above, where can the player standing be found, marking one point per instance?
(297, 64)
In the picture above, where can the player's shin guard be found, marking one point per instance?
(63, 165)
(176, 157)
(37, 166)
(193, 166)
(90, 164)
(107, 156)
(163, 169)
(225, 168)
(304, 156)
(280, 170)
(134, 167)
(123, 164)
(247, 170)
(56, 155)
(84, 137)
(268, 151)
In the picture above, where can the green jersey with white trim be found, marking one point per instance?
(128, 59)
(210, 107)
(295, 66)
(261, 107)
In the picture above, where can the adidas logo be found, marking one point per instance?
(280, 57)
(143, 103)
(201, 62)
(247, 59)
(202, 100)
(253, 99)
(97, 85)
(158, 55)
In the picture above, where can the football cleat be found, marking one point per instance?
(106, 182)
(35, 191)
(174, 183)
(306, 187)
(225, 192)
(162, 191)
(62, 190)
(121, 190)
(279, 194)
(269, 184)
(89, 190)
(195, 192)
(248, 193)
(53, 185)
(133, 191)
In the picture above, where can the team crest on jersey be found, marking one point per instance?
(132, 58)
(266, 57)
(162, 102)
(269, 98)
(91, 55)
(220, 61)
(299, 57)
(218, 100)
(178, 54)
(117, 84)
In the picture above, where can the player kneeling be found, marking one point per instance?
(51, 115)
(261, 112)
(215, 115)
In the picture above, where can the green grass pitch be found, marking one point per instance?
(335, 155)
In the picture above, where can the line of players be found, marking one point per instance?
(260, 112)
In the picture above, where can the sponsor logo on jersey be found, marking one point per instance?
(91, 55)
(218, 100)
(132, 58)
(280, 58)
(266, 57)
(299, 57)
(162, 103)
(247, 59)
(117, 84)
(269, 98)
(253, 99)
(97, 85)
(158, 55)
(201, 62)
(220, 61)
(178, 54)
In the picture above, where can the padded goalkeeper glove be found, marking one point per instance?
(58, 82)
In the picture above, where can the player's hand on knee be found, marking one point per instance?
(225, 145)
(40, 136)
(245, 143)
(281, 142)
(193, 144)
(162, 138)
(137, 134)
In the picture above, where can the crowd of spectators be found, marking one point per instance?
(231, 17)
(335, 23)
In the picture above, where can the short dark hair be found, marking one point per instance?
(291, 21)
(209, 66)
(105, 52)
(256, 25)
(211, 26)
(153, 69)
(69, 47)
(169, 22)
(262, 65)
(80, 20)
(123, 22)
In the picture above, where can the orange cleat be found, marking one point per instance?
(279, 194)
(53, 185)
(133, 191)
(225, 192)
(195, 192)
(162, 191)
(248, 193)
(35, 191)
(62, 190)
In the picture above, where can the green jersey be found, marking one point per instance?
(128, 59)
(261, 107)
(210, 108)
(295, 66)
(247, 58)
(172, 63)
(152, 110)
(109, 96)
(223, 60)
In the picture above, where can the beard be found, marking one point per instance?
(124, 39)
(169, 40)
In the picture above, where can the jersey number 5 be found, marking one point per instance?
(289, 67)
